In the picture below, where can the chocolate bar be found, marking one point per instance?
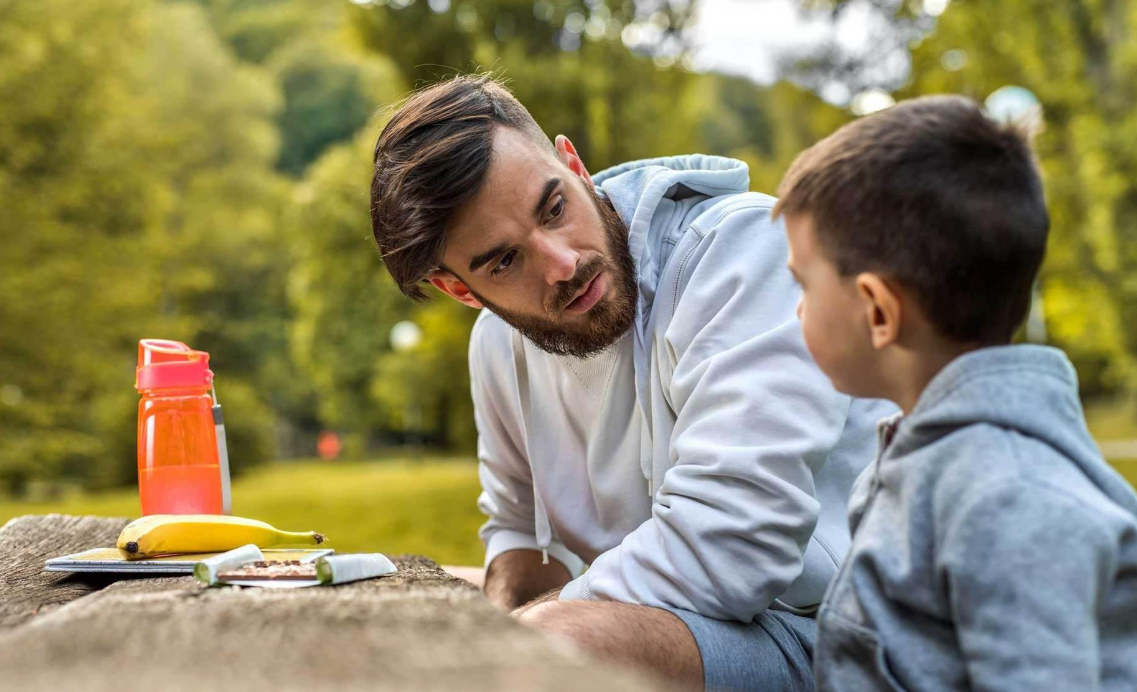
(261, 569)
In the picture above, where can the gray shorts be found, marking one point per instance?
(772, 654)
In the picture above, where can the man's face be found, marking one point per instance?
(832, 316)
(541, 250)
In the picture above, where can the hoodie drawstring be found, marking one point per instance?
(542, 528)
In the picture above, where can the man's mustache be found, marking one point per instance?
(567, 290)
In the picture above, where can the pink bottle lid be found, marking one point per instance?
(164, 364)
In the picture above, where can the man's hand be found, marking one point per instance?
(516, 577)
(543, 598)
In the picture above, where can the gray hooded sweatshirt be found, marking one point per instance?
(993, 547)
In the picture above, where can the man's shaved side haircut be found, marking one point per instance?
(938, 197)
(431, 158)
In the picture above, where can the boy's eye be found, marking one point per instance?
(504, 263)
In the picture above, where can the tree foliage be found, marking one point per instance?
(135, 164)
(199, 170)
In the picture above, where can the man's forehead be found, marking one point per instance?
(518, 163)
(519, 172)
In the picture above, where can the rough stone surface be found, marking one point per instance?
(25, 542)
(421, 629)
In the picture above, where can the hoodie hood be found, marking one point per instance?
(1032, 390)
(639, 190)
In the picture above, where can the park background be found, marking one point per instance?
(198, 170)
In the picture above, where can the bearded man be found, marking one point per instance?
(645, 404)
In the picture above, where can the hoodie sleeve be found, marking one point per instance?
(754, 420)
(1027, 563)
(503, 466)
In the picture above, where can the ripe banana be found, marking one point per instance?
(162, 534)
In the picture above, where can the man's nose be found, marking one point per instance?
(799, 309)
(559, 261)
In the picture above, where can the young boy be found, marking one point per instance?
(993, 548)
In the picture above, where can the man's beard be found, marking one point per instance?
(608, 319)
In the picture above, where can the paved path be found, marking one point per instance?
(421, 629)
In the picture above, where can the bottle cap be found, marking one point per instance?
(164, 364)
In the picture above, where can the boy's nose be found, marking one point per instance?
(799, 309)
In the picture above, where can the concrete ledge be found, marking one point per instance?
(422, 629)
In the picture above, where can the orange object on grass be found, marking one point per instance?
(328, 445)
(178, 464)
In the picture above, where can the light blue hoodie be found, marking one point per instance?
(738, 486)
(993, 548)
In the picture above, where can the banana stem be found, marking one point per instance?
(301, 537)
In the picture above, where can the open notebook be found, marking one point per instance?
(111, 560)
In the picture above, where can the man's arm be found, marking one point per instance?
(517, 577)
(754, 420)
(515, 573)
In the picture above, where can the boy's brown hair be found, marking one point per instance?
(433, 156)
(936, 196)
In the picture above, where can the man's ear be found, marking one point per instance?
(882, 307)
(453, 287)
(570, 158)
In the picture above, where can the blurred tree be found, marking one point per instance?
(330, 89)
(345, 303)
(431, 39)
(329, 93)
(254, 29)
(124, 123)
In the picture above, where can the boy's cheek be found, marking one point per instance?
(825, 349)
(814, 342)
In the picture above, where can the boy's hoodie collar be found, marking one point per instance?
(1032, 390)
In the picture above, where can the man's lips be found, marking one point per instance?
(589, 295)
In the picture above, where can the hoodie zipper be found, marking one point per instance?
(886, 433)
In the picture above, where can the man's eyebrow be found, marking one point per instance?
(550, 187)
(486, 256)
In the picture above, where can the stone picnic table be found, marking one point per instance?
(420, 629)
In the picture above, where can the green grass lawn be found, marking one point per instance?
(1115, 420)
(390, 507)
(1128, 468)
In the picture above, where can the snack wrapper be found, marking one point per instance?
(206, 571)
(340, 569)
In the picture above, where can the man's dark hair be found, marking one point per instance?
(431, 158)
(937, 196)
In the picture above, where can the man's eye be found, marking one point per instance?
(557, 209)
(504, 263)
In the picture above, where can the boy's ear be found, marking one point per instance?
(882, 308)
(453, 287)
(570, 158)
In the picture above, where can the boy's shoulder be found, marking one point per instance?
(991, 474)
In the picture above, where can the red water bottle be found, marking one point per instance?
(179, 465)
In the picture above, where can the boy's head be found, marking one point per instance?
(469, 194)
(919, 227)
